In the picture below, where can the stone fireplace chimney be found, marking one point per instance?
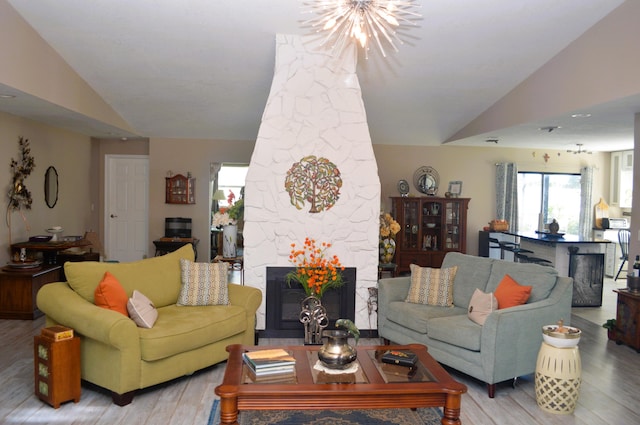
(315, 108)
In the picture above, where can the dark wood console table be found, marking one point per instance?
(18, 289)
(49, 249)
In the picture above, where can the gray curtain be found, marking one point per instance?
(507, 194)
(586, 202)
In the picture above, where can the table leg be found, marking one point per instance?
(452, 410)
(229, 410)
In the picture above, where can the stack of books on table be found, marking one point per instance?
(274, 362)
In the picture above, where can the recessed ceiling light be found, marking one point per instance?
(7, 96)
(583, 115)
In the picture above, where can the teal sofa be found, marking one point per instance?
(122, 357)
(507, 346)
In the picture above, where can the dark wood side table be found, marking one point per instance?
(56, 370)
(167, 245)
(628, 318)
(18, 289)
(387, 270)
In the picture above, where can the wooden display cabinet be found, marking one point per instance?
(628, 318)
(56, 370)
(429, 228)
(180, 190)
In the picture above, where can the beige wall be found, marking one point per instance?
(475, 167)
(80, 164)
(179, 157)
(70, 154)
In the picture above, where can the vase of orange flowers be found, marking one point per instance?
(316, 272)
(388, 230)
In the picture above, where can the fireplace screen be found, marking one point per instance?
(283, 303)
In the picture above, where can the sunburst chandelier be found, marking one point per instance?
(364, 21)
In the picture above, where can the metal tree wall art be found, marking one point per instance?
(19, 195)
(315, 180)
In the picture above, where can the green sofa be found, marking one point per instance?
(122, 357)
(507, 346)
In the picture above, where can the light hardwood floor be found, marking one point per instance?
(608, 395)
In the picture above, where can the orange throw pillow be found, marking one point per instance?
(110, 294)
(510, 294)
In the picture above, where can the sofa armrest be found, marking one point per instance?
(250, 298)
(64, 306)
(245, 296)
(389, 290)
(511, 337)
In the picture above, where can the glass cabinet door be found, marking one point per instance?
(431, 225)
(411, 229)
(452, 225)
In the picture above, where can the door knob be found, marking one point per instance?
(113, 216)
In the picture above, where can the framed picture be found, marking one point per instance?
(455, 188)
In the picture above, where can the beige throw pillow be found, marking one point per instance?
(481, 305)
(203, 283)
(431, 286)
(142, 310)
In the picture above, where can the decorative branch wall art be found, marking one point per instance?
(19, 195)
(315, 180)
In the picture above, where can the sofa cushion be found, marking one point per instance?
(481, 305)
(158, 277)
(203, 283)
(180, 329)
(542, 279)
(417, 316)
(111, 295)
(510, 294)
(473, 272)
(431, 286)
(141, 310)
(456, 330)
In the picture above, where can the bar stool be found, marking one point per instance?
(509, 246)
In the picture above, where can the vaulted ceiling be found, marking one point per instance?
(203, 68)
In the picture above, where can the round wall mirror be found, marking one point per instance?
(51, 187)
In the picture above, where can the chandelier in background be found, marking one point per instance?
(364, 21)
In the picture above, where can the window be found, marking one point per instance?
(231, 178)
(553, 195)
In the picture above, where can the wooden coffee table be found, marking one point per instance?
(374, 386)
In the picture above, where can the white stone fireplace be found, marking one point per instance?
(315, 107)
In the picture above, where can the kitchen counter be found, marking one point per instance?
(572, 256)
(565, 239)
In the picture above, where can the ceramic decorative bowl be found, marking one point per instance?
(568, 339)
(431, 225)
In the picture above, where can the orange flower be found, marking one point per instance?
(314, 270)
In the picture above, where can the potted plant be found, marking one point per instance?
(610, 326)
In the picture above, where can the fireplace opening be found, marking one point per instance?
(283, 303)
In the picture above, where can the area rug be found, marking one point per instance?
(425, 416)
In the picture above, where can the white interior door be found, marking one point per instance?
(126, 207)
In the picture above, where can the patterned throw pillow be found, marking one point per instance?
(481, 305)
(431, 286)
(203, 283)
(141, 310)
